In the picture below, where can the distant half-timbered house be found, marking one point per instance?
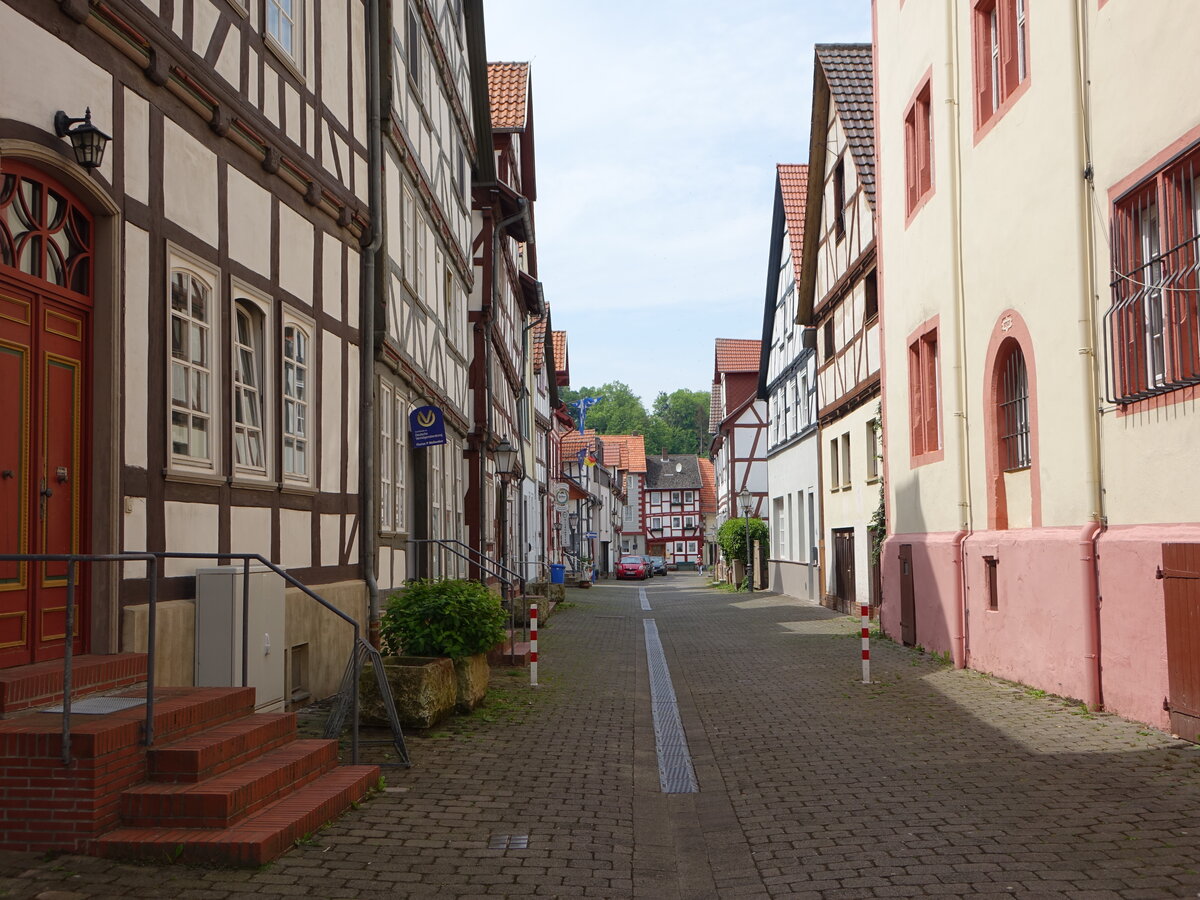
(671, 509)
(787, 381)
(838, 296)
(179, 326)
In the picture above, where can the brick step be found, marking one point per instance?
(255, 840)
(221, 748)
(178, 713)
(41, 684)
(221, 801)
(510, 654)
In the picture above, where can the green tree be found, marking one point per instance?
(678, 422)
(685, 414)
(620, 410)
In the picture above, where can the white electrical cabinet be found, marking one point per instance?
(219, 632)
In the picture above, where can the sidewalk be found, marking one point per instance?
(928, 782)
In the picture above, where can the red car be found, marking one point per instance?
(634, 567)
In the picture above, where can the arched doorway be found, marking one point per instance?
(46, 302)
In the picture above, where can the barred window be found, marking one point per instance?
(1152, 343)
(1014, 409)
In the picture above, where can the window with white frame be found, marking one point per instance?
(415, 64)
(192, 321)
(675, 498)
(655, 522)
(386, 502)
(846, 460)
(295, 402)
(420, 284)
(872, 450)
(400, 463)
(409, 237)
(436, 489)
(680, 547)
(676, 521)
(689, 497)
(285, 27)
(805, 402)
(249, 387)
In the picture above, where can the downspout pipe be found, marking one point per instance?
(368, 517)
(1089, 572)
(960, 640)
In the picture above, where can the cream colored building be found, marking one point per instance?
(1038, 220)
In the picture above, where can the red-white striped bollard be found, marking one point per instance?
(533, 645)
(866, 641)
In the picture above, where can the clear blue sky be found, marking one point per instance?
(659, 124)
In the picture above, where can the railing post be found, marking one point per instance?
(68, 652)
(152, 575)
(357, 657)
(246, 622)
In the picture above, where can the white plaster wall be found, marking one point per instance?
(68, 81)
(852, 506)
(249, 223)
(330, 538)
(189, 183)
(331, 412)
(133, 524)
(189, 527)
(135, 146)
(137, 374)
(250, 530)
(295, 253)
(295, 538)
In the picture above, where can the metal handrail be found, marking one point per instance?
(151, 559)
(482, 562)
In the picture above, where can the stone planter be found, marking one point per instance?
(424, 690)
(471, 675)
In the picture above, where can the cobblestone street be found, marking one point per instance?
(929, 781)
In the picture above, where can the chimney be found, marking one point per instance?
(664, 454)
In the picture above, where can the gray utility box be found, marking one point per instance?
(219, 633)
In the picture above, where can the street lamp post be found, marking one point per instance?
(744, 501)
(506, 458)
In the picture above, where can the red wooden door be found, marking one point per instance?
(1181, 594)
(45, 282)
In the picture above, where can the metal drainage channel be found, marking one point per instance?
(644, 599)
(675, 772)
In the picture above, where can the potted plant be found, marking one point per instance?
(454, 619)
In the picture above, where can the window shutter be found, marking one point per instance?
(924, 145)
(1009, 64)
(910, 159)
(929, 392)
(915, 404)
(983, 65)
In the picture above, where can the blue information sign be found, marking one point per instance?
(428, 426)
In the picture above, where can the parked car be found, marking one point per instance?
(659, 565)
(634, 567)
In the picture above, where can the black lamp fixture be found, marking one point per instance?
(87, 140)
(745, 499)
(506, 458)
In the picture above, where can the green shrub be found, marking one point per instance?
(443, 618)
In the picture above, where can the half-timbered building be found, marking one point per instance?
(838, 295)
(504, 305)
(436, 120)
(1040, 218)
(179, 327)
(738, 425)
(671, 509)
(787, 381)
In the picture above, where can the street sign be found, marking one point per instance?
(561, 495)
(428, 426)
(591, 535)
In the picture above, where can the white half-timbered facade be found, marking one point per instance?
(788, 383)
(672, 511)
(838, 296)
(436, 70)
(189, 309)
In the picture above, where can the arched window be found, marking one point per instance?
(295, 402)
(1014, 409)
(248, 449)
(191, 366)
(43, 233)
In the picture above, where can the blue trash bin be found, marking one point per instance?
(558, 574)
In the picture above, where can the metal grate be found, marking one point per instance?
(1014, 412)
(645, 601)
(99, 706)
(675, 772)
(508, 842)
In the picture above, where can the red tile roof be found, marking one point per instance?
(633, 450)
(539, 337)
(508, 88)
(793, 187)
(708, 486)
(573, 442)
(738, 355)
(560, 351)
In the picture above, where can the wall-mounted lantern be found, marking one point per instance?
(87, 140)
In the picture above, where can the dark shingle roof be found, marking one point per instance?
(661, 474)
(848, 71)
